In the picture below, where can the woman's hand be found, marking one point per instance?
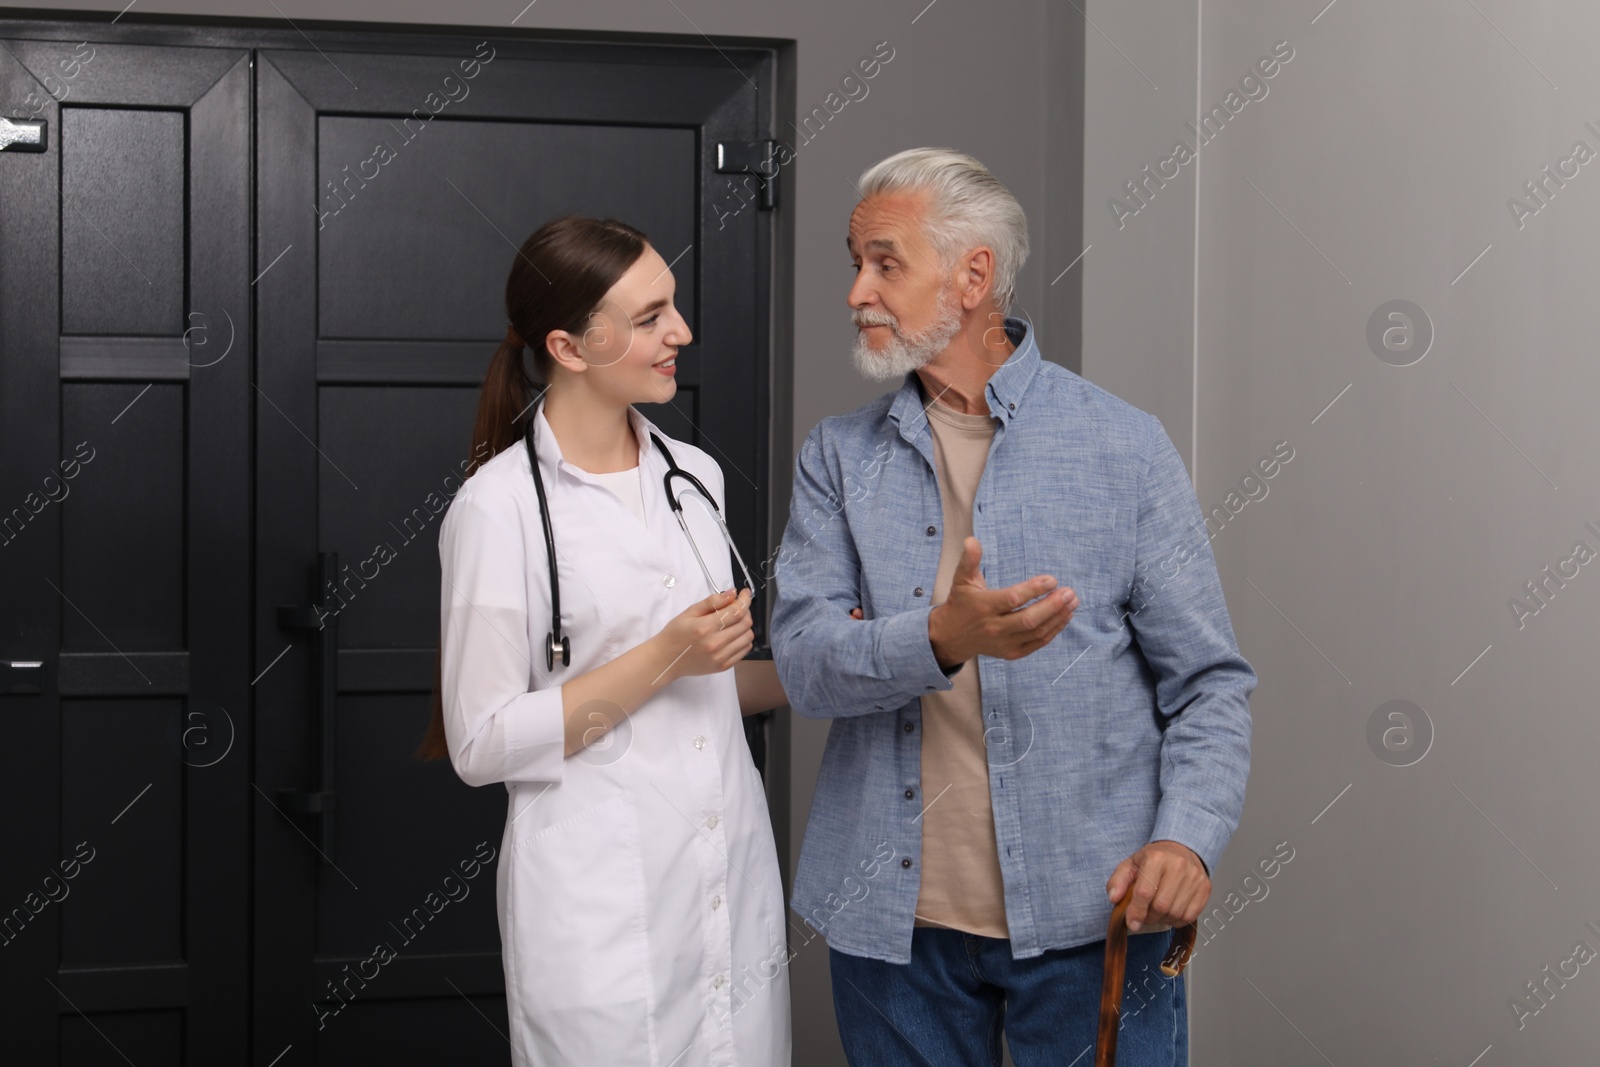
(709, 637)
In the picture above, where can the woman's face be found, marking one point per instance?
(631, 343)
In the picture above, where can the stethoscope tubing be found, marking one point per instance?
(558, 642)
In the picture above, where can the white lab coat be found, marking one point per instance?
(641, 913)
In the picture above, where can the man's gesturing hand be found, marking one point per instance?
(976, 620)
(1170, 886)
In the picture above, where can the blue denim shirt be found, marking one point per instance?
(1132, 725)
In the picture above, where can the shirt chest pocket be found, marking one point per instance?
(1083, 548)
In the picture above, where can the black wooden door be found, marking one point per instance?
(268, 333)
(125, 358)
(393, 191)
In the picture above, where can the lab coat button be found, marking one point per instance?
(716, 902)
(699, 741)
(668, 580)
(712, 822)
(717, 982)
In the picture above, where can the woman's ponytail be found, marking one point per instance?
(502, 412)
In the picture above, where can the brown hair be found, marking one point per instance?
(561, 273)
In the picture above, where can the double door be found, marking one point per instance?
(249, 285)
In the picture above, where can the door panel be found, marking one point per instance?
(124, 172)
(516, 174)
(125, 557)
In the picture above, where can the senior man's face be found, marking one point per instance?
(905, 310)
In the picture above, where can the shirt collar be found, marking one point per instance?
(551, 458)
(1004, 389)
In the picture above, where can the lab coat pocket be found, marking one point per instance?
(580, 955)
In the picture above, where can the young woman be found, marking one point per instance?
(641, 914)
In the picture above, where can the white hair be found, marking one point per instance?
(968, 207)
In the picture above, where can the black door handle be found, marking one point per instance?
(317, 801)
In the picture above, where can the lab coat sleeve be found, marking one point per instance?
(497, 726)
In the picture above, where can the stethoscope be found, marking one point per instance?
(557, 641)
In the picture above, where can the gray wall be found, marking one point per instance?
(1380, 561)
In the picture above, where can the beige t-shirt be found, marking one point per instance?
(961, 883)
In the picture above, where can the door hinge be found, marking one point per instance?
(754, 158)
(22, 135)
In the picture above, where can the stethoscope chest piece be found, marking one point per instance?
(554, 644)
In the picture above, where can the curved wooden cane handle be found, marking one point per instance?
(1105, 1054)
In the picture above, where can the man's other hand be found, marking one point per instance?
(1170, 886)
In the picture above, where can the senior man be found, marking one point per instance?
(1040, 704)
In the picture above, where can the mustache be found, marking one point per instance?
(867, 317)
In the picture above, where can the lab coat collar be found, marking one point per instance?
(552, 462)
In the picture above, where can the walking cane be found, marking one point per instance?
(1105, 1053)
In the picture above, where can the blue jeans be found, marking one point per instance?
(949, 1005)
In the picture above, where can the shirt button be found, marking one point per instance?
(917, 591)
(712, 822)
(910, 794)
(906, 862)
(716, 902)
(716, 982)
(668, 580)
(1011, 407)
(699, 741)
(932, 530)
(908, 728)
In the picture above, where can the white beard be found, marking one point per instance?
(905, 352)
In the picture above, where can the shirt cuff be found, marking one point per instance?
(1194, 827)
(907, 652)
